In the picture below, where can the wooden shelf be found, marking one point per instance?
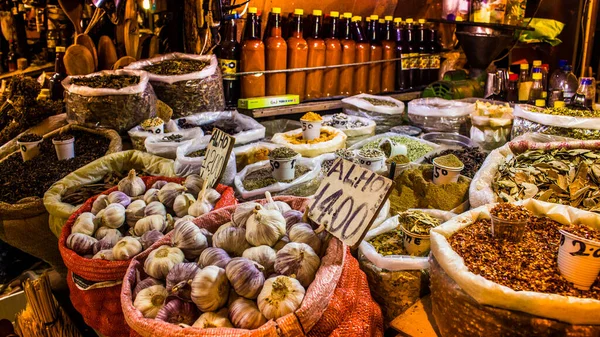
(28, 71)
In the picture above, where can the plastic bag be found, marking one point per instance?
(522, 304)
(316, 149)
(190, 93)
(252, 153)
(119, 109)
(357, 134)
(529, 119)
(166, 146)
(491, 122)
(385, 116)
(251, 129)
(440, 115)
(411, 154)
(279, 126)
(184, 165)
(138, 135)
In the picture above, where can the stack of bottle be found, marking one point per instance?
(332, 41)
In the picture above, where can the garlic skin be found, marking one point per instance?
(118, 197)
(303, 233)
(244, 314)
(100, 203)
(107, 242)
(182, 203)
(265, 227)
(213, 256)
(210, 320)
(231, 239)
(132, 185)
(150, 237)
(193, 183)
(177, 311)
(183, 219)
(246, 277)
(168, 193)
(80, 243)
(159, 184)
(149, 301)
(263, 255)
(179, 280)
(281, 243)
(145, 283)
(85, 224)
(298, 259)
(200, 207)
(151, 195)
(126, 248)
(243, 212)
(189, 239)
(152, 222)
(272, 205)
(155, 208)
(104, 231)
(280, 296)
(208, 235)
(162, 260)
(113, 216)
(134, 212)
(210, 288)
(170, 223)
(211, 195)
(105, 254)
(292, 217)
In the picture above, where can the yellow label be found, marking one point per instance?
(434, 62)
(405, 63)
(423, 61)
(524, 89)
(228, 67)
(414, 60)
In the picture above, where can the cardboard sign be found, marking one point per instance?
(349, 200)
(216, 157)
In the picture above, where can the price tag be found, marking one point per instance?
(216, 157)
(348, 201)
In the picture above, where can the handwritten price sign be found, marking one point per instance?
(216, 157)
(348, 200)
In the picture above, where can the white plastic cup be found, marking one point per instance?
(65, 149)
(395, 148)
(578, 260)
(373, 164)
(444, 174)
(311, 130)
(159, 129)
(340, 122)
(29, 150)
(399, 168)
(284, 169)
(415, 244)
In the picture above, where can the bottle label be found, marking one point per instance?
(51, 44)
(405, 62)
(414, 61)
(15, 10)
(423, 62)
(228, 67)
(434, 62)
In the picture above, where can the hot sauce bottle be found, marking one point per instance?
(363, 47)
(375, 54)
(348, 56)
(388, 43)
(253, 57)
(316, 57)
(297, 56)
(333, 56)
(276, 56)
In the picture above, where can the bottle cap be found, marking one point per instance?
(348, 15)
(513, 77)
(409, 20)
(568, 67)
(356, 18)
(252, 10)
(397, 20)
(537, 63)
(524, 66)
(537, 76)
(368, 18)
(562, 63)
(60, 49)
(459, 19)
(317, 12)
(359, 17)
(545, 66)
(45, 92)
(559, 104)
(586, 81)
(421, 20)
(540, 102)
(374, 17)
(276, 10)
(544, 94)
(299, 11)
(389, 18)
(334, 14)
(381, 21)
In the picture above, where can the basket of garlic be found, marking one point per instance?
(261, 272)
(101, 237)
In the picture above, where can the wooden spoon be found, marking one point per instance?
(123, 62)
(86, 41)
(78, 60)
(107, 54)
(73, 10)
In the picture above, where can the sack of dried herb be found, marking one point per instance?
(118, 99)
(331, 139)
(441, 115)
(138, 135)
(385, 111)
(166, 145)
(189, 160)
(188, 83)
(563, 122)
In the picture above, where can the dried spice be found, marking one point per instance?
(562, 176)
(345, 154)
(417, 222)
(30, 137)
(107, 81)
(415, 148)
(379, 102)
(196, 154)
(448, 160)
(177, 138)
(254, 156)
(299, 139)
(389, 243)
(63, 137)
(371, 153)
(151, 122)
(530, 265)
(471, 157)
(283, 153)
(565, 111)
(583, 231)
(399, 159)
(510, 212)
(176, 67)
(32, 178)
(522, 126)
(263, 177)
(311, 117)
(492, 110)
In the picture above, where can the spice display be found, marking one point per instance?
(515, 265)
(583, 231)
(283, 153)
(448, 160)
(417, 222)
(263, 177)
(471, 157)
(565, 111)
(299, 139)
(176, 67)
(568, 177)
(415, 148)
(343, 121)
(311, 117)
(29, 138)
(415, 189)
(492, 110)
(151, 122)
(379, 102)
(177, 138)
(345, 154)
(389, 243)
(399, 159)
(196, 154)
(510, 212)
(107, 81)
(254, 156)
(371, 153)
(79, 194)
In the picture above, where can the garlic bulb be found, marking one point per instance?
(246, 277)
(168, 193)
(200, 207)
(303, 233)
(244, 314)
(118, 197)
(152, 222)
(189, 239)
(243, 212)
(155, 208)
(298, 259)
(210, 288)
(107, 242)
(104, 231)
(183, 219)
(182, 203)
(170, 223)
(150, 237)
(281, 243)
(98, 219)
(213, 320)
(159, 184)
(132, 185)
(151, 195)
(113, 216)
(272, 205)
(134, 212)
(100, 203)
(149, 301)
(160, 261)
(193, 183)
(265, 227)
(231, 239)
(263, 255)
(292, 217)
(208, 235)
(179, 280)
(177, 311)
(84, 224)
(143, 284)
(213, 256)
(212, 196)
(105, 254)
(281, 295)
(127, 248)
(80, 243)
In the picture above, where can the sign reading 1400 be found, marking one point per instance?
(216, 157)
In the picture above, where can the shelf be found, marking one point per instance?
(28, 71)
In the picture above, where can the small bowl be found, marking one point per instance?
(444, 174)
(508, 230)
(65, 149)
(158, 129)
(284, 169)
(578, 260)
(29, 150)
(374, 164)
(311, 130)
(449, 139)
(415, 244)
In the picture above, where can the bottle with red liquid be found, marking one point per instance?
(252, 57)
(333, 56)
(316, 57)
(361, 73)
(228, 54)
(276, 57)
(375, 54)
(348, 56)
(388, 43)
(297, 56)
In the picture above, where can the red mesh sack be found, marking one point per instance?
(337, 303)
(95, 285)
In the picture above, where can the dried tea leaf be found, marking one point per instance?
(530, 191)
(546, 195)
(562, 182)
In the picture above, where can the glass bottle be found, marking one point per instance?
(361, 72)
(316, 57)
(537, 88)
(585, 95)
(348, 56)
(388, 43)
(228, 54)
(12, 57)
(512, 89)
(422, 77)
(375, 54)
(60, 73)
(276, 56)
(297, 56)
(524, 83)
(252, 58)
(413, 56)
(402, 51)
(333, 56)
(434, 55)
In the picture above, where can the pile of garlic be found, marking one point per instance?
(125, 222)
(251, 270)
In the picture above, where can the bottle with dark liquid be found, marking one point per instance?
(297, 56)
(413, 55)
(316, 57)
(434, 55)
(12, 56)
(422, 49)
(228, 54)
(348, 56)
(60, 73)
(388, 43)
(252, 58)
(512, 89)
(276, 56)
(333, 56)
(361, 73)
(403, 50)
(375, 54)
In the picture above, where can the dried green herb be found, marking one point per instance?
(448, 160)
(399, 159)
(415, 149)
(371, 153)
(177, 138)
(471, 157)
(176, 67)
(345, 154)
(379, 102)
(522, 126)
(264, 177)
(390, 243)
(107, 81)
(282, 153)
(196, 154)
(417, 222)
(565, 111)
